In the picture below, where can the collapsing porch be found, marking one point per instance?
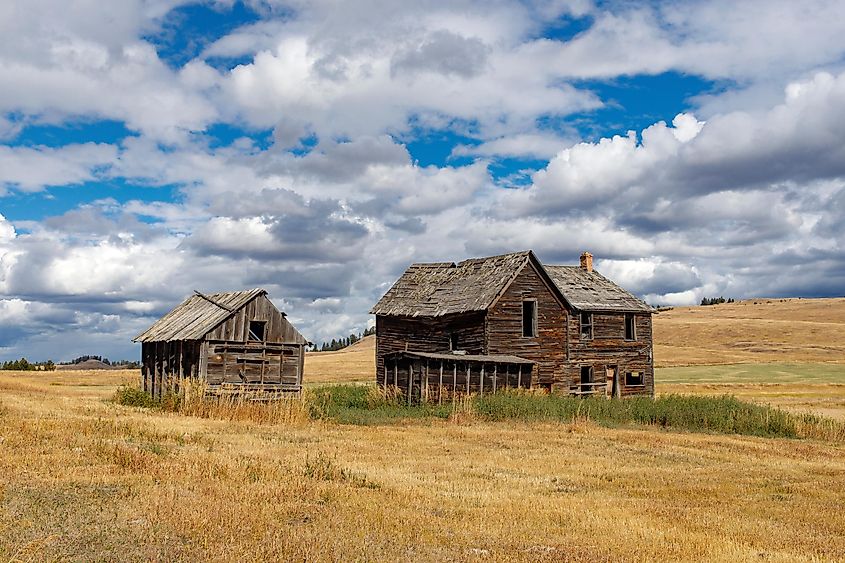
(433, 376)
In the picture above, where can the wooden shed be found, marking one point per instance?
(236, 340)
(562, 328)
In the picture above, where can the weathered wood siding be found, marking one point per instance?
(608, 347)
(504, 327)
(263, 364)
(163, 364)
(227, 355)
(394, 334)
(236, 328)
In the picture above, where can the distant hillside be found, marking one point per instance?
(353, 363)
(88, 365)
(752, 331)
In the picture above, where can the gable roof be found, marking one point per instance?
(196, 316)
(444, 288)
(592, 291)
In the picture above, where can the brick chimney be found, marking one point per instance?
(587, 261)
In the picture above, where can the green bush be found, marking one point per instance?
(130, 396)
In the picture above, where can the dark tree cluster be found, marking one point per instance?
(715, 300)
(340, 344)
(25, 365)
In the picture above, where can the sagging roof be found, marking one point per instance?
(196, 316)
(591, 291)
(444, 288)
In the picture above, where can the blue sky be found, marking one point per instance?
(150, 148)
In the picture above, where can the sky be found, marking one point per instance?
(150, 148)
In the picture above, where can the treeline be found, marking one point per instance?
(25, 365)
(340, 344)
(715, 300)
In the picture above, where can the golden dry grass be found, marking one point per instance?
(88, 480)
(752, 331)
(354, 363)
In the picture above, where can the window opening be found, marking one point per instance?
(529, 318)
(256, 330)
(587, 326)
(630, 328)
(634, 378)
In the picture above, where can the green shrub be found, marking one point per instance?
(130, 396)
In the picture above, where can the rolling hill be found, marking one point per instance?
(753, 331)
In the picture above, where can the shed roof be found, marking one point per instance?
(444, 288)
(592, 291)
(196, 316)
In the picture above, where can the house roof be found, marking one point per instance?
(444, 288)
(592, 291)
(197, 315)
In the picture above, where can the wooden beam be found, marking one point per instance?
(440, 386)
(481, 381)
(495, 372)
(519, 377)
(213, 302)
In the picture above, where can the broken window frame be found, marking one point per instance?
(252, 335)
(586, 327)
(533, 320)
(453, 341)
(634, 379)
(630, 321)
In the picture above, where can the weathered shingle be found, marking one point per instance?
(196, 316)
(591, 291)
(444, 288)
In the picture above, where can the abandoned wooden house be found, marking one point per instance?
(510, 321)
(236, 340)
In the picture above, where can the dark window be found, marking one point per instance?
(529, 318)
(587, 326)
(256, 330)
(634, 378)
(453, 341)
(630, 329)
(586, 374)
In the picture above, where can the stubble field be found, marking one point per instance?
(85, 479)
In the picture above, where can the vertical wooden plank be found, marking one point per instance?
(454, 380)
(440, 385)
(410, 379)
(467, 378)
(507, 376)
(263, 360)
(495, 372)
(519, 377)
(426, 381)
(481, 381)
(396, 373)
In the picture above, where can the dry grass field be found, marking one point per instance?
(85, 479)
(354, 363)
(795, 331)
(88, 480)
